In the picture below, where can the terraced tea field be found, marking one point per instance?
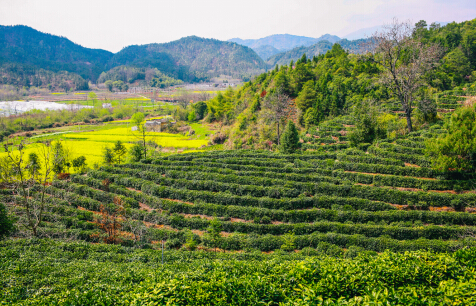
(265, 200)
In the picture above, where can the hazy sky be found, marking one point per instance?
(114, 24)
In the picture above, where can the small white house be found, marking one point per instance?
(107, 105)
(156, 125)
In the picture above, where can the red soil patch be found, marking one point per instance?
(178, 201)
(240, 220)
(201, 216)
(132, 189)
(374, 174)
(411, 165)
(145, 207)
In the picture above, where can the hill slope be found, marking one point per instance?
(26, 46)
(192, 58)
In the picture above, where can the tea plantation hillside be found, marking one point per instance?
(331, 225)
(382, 197)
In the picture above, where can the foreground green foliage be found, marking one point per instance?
(47, 272)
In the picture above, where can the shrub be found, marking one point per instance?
(6, 222)
(173, 243)
(289, 142)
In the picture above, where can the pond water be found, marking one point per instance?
(8, 108)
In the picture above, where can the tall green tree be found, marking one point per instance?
(456, 151)
(109, 85)
(307, 97)
(367, 129)
(61, 161)
(108, 155)
(79, 164)
(290, 139)
(119, 151)
(200, 109)
(138, 120)
(299, 76)
(136, 153)
(34, 165)
(281, 80)
(457, 65)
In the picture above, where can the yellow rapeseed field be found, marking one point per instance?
(127, 136)
(91, 144)
(92, 150)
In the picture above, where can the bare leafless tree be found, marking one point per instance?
(29, 181)
(404, 60)
(274, 106)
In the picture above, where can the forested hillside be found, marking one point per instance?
(338, 82)
(26, 76)
(29, 57)
(192, 58)
(29, 47)
(145, 76)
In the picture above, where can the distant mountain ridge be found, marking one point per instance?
(189, 59)
(321, 47)
(273, 44)
(284, 58)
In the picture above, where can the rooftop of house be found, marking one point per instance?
(156, 121)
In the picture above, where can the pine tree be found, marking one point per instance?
(290, 139)
(307, 97)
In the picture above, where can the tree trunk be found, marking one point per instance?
(408, 114)
(406, 105)
(143, 141)
(278, 132)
